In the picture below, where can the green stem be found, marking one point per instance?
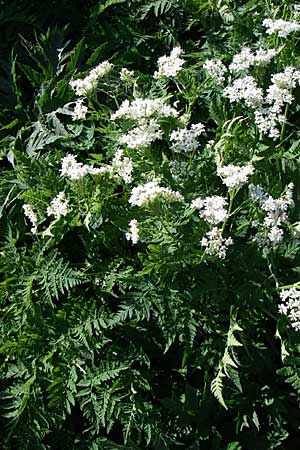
(231, 198)
(288, 286)
(272, 273)
(283, 126)
(202, 257)
(192, 155)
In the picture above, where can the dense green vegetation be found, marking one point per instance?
(149, 225)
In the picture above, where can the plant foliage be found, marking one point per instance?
(149, 225)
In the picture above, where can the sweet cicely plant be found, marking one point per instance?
(150, 280)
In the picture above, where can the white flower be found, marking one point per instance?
(185, 140)
(122, 166)
(144, 108)
(290, 306)
(59, 206)
(280, 26)
(264, 56)
(245, 89)
(101, 70)
(235, 177)
(246, 59)
(83, 86)
(133, 233)
(257, 194)
(100, 170)
(72, 169)
(275, 211)
(169, 66)
(215, 244)
(31, 215)
(216, 70)
(79, 111)
(126, 75)
(210, 144)
(212, 209)
(275, 235)
(242, 60)
(268, 111)
(144, 194)
(279, 92)
(296, 11)
(267, 120)
(143, 135)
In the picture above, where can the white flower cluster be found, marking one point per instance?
(59, 206)
(80, 110)
(216, 70)
(212, 209)
(133, 233)
(268, 111)
(257, 194)
(122, 166)
(169, 66)
(235, 177)
(242, 60)
(267, 120)
(145, 112)
(74, 170)
(246, 59)
(126, 75)
(215, 244)
(142, 195)
(180, 170)
(296, 11)
(185, 140)
(280, 26)
(275, 210)
(264, 56)
(144, 108)
(143, 135)
(278, 94)
(31, 215)
(246, 89)
(290, 306)
(83, 86)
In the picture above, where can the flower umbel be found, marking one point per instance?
(143, 135)
(275, 210)
(133, 233)
(122, 166)
(169, 66)
(216, 70)
(211, 209)
(235, 177)
(84, 86)
(290, 306)
(280, 26)
(31, 215)
(144, 108)
(59, 206)
(215, 244)
(80, 110)
(142, 195)
(184, 140)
